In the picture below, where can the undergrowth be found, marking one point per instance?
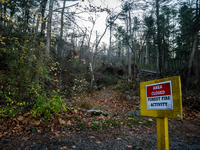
(45, 103)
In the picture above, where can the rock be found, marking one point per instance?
(97, 112)
(135, 112)
(100, 87)
(137, 102)
(128, 97)
(127, 92)
(114, 88)
(95, 88)
(136, 97)
(138, 108)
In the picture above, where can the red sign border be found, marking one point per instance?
(158, 96)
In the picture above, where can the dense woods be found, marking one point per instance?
(49, 50)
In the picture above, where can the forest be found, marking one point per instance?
(54, 53)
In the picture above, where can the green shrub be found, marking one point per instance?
(45, 105)
(109, 123)
(95, 126)
(135, 122)
(8, 110)
(111, 80)
(146, 66)
(147, 123)
(82, 125)
(126, 86)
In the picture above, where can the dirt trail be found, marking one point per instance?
(183, 134)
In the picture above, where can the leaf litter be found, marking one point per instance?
(66, 122)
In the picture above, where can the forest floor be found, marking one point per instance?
(79, 129)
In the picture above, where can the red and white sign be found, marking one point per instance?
(159, 96)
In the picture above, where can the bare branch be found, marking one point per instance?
(65, 7)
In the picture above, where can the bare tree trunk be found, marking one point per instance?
(120, 54)
(159, 39)
(110, 48)
(38, 19)
(147, 51)
(1, 13)
(62, 14)
(129, 61)
(92, 75)
(196, 62)
(92, 65)
(4, 14)
(48, 44)
(194, 43)
(60, 45)
(93, 23)
(33, 29)
(81, 47)
(192, 55)
(129, 48)
(26, 16)
(44, 3)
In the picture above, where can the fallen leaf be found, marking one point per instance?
(98, 142)
(119, 138)
(69, 123)
(129, 146)
(74, 147)
(64, 147)
(25, 121)
(18, 128)
(75, 110)
(3, 127)
(25, 138)
(92, 137)
(37, 122)
(20, 118)
(39, 131)
(56, 134)
(198, 115)
(150, 119)
(62, 121)
(26, 114)
(52, 117)
(52, 129)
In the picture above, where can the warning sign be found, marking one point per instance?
(159, 96)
